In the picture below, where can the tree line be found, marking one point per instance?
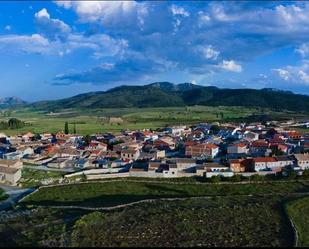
(66, 128)
(12, 123)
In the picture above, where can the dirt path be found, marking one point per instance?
(164, 199)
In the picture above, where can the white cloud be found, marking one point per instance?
(294, 74)
(210, 53)
(176, 10)
(303, 76)
(64, 4)
(108, 12)
(230, 66)
(303, 50)
(28, 44)
(263, 76)
(42, 13)
(246, 32)
(51, 28)
(203, 18)
(282, 73)
(100, 44)
(8, 27)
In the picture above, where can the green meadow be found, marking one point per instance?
(298, 211)
(89, 121)
(107, 194)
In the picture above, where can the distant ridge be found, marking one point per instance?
(167, 94)
(167, 86)
(11, 102)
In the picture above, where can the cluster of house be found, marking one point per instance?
(204, 149)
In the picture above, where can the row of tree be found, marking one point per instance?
(66, 128)
(12, 123)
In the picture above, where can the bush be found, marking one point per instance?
(257, 177)
(215, 179)
(235, 178)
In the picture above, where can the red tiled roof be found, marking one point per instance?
(209, 146)
(240, 145)
(259, 143)
(264, 159)
(190, 143)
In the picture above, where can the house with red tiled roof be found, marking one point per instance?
(293, 135)
(238, 148)
(240, 165)
(202, 150)
(165, 142)
(259, 148)
(130, 154)
(263, 163)
(96, 145)
(190, 143)
(28, 136)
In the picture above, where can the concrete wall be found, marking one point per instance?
(11, 178)
(94, 171)
(225, 174)
(145, 174)
(106, 176)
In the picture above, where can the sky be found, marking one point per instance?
(57, 49)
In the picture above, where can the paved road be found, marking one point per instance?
(8, 187)
(15, 194)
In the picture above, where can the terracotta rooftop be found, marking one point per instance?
(264, 159)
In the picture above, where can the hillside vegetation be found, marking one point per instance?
(215, 222)
(165, 94)
(107, 194)
(298, 211)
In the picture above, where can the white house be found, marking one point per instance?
(262, 163)
(302, 160)
(10, 175)
(239, 148)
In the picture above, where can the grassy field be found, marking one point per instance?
(215, 222)
(33, 178)
(219, 221)
(298, 211)
(97, 120)
(105, 194)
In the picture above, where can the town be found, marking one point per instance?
(206, 150)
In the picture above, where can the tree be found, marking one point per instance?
(15, 123)
(277, 152)
(215, 129)
(236, 178)
(87, 140)
(292, 175)
(66, 128)
(85, 230)
(74, 129)
(37, 137)
(215, 179)
(305, 174)
(256, 177)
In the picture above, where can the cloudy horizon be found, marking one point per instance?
(53, 50)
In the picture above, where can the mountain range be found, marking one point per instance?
(11, 102)
(166, 94)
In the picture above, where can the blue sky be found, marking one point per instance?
(52, 50)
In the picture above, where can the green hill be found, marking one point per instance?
(163, 94)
